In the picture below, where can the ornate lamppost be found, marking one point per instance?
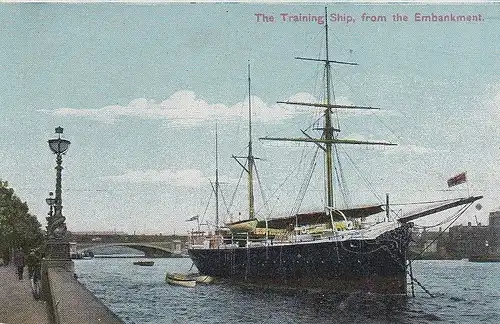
(57, 245)
(51, 202)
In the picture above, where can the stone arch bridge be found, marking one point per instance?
(150, 249)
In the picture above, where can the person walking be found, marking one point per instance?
(19, 262)
(31, 262)
(6, 256)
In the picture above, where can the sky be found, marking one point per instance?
(139, 89)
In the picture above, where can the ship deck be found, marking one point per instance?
(370, 233)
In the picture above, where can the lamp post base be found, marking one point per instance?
(57, 250)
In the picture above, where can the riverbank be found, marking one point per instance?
(16, 298)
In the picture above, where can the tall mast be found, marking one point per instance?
(250, 165)
(216, 182)
(328, 130)
(330, 133)
(250, 158)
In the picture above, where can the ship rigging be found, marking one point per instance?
(331, 249)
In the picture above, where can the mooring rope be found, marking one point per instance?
(421, 286)
(405, 268)
(459, 213)
(413, 279)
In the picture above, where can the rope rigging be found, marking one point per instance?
(410, 262)
(263, 196)
(289, 175)
(458, 214)
(341, 181)
(305, 184)
(360, 174)
(208, 203)
(228, 213)
(235, 190)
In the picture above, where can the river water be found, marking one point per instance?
(465, 292)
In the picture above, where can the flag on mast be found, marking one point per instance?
(458, 179)
(192, 218)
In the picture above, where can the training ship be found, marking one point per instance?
(332, 249)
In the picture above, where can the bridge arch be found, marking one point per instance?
(150, 250)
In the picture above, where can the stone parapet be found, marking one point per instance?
(71, 302)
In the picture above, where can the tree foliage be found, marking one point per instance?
(18, 228)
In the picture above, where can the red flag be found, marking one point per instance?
(458, 179)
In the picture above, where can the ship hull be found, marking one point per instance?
(374, 265)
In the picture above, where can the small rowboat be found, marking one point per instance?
(199, 278)
(177, 279)
(144, 263)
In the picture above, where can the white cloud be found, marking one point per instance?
(183, 108)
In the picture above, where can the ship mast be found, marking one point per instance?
(216, 182)
(329, 136)
(250, 158)
(250, 165)
(328, 130)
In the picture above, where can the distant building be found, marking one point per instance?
(429, 245)
(494, 232)
(460, 242)
(466, 241)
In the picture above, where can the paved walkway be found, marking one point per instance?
(17, 305)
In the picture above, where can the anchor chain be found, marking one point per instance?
(405, 268)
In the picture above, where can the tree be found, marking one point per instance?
(18, 228)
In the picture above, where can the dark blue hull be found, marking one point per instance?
(376, 265)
